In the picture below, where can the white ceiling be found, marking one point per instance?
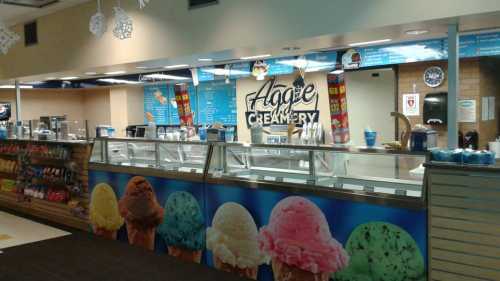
(16, 14)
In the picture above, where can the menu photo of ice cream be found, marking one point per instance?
(141, 211)
(233, 240)
(104, 215)
(382, 251)
(299, 242)
(183, 227)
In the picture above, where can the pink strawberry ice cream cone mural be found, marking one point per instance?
(299, 242)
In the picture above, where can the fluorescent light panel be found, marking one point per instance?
(176, 66)
(69, 78)
(118, 81)
(205, 59)
(115, 72)
(14, 86)
(256, 57)
(370, 42)
(160, 76)
(225, 72)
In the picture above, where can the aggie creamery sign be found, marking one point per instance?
(275, 103)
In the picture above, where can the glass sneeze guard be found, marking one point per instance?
(376, 172)
(189, 157)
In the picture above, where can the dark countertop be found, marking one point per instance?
(461, 167)
(85, 257)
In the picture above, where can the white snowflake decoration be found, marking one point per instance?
(123, 24)
(143, 3)
(98, 25)
(7, 38)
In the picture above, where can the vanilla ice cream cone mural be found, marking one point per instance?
(233, 240)
(183, 227)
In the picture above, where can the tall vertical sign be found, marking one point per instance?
(338, 108)
(183, 106)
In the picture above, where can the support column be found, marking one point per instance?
(453, 84)
(18, 104)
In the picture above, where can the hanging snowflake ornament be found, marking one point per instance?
(123, 24)
(7, 38)
(97, 24)
(143, 3)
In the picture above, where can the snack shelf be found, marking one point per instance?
(45, 209)
(8, 176)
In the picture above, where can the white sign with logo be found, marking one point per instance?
(275, 103)
(467, 111)
(411, 104)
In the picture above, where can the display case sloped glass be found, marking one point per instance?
(189, 157)
(373, 171)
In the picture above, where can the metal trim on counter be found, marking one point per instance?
(342, 194)
(69, 142)
(147, 171)
(349, 149)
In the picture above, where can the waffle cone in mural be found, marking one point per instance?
(141, 211)
(184, 254)
(104, 215)
(249, 272)
(105, 233)
(284, 272)
(144, 238)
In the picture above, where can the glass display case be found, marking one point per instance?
(189, 157)
(374, 171)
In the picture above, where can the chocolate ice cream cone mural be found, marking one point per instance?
(233, 240)
(183, 227)
(299, 242)
(141, 211)
(103, 212)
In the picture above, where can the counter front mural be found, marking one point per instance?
(261, 234)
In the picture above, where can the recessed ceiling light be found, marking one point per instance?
(205, 59)
(256, 57)
(115, 72)
(417, 31)
(176, 66)
(90, 73)
(69, 78)
(370, 42)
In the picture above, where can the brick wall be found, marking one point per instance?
(477, 79)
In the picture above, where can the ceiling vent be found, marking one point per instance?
(30, 3)
(193, 4)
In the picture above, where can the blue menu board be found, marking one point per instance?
(216, 103)
(279, 66)
(402, 53)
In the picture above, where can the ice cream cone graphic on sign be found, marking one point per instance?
(233, 240)
(103, 212)
(299, 242)
(183, 227)
(141, 212)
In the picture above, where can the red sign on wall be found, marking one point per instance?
(338, 108)
(183, 105)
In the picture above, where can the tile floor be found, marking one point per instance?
(15, 231)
